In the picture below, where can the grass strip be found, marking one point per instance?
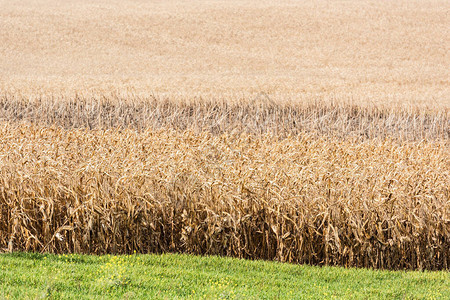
(174, 276)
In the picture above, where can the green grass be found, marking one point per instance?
(171, 276)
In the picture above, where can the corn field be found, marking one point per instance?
(257, 116)
(376, 203)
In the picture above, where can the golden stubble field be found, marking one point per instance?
(302, 131)
(365, 52)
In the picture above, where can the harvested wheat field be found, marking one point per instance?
(390, 52)
(310, 132)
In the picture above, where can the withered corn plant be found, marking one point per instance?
(257, 116)
(379, 203)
